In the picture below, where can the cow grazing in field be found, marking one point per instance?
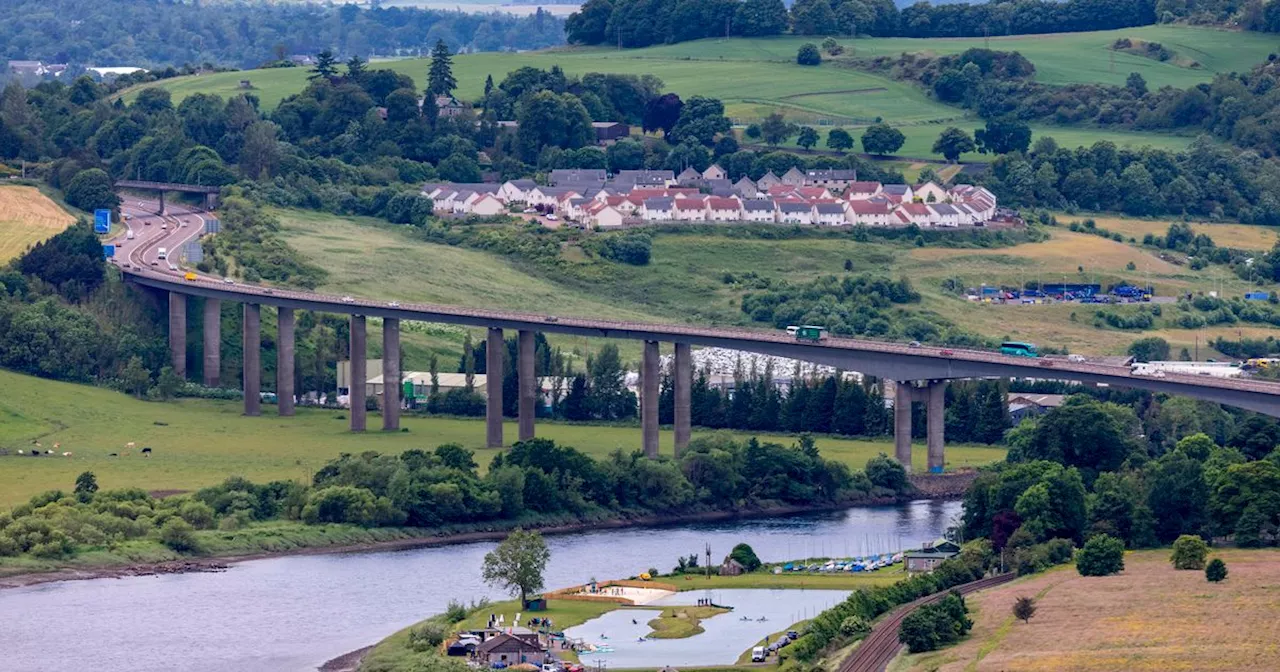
(113, 455)
(66, 454)
(129, 446)
(20, 452)
(146, 452)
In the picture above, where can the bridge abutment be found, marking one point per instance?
(390, 375)
(495, 348)
(178, 333)
(252, 359)
(286, 322)
(527, 384)
(359, 373)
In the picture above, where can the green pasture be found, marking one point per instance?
(198, 442)
(763, 69)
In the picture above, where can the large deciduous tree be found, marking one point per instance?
(1002, 136)
(953, 142)
(882, 139)
(517, 564)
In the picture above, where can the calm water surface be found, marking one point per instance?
(294, 613)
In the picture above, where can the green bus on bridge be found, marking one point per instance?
(1019, 349)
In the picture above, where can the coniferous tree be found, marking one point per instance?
(326, 66)
(440, 80)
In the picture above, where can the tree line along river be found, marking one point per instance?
(296, 612)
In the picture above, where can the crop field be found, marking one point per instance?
(1239, 236)
(684, 282)
(26, 218)
(757, 76)
(198, 442)
(1149, 617)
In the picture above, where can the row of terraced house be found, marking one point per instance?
(594, 199)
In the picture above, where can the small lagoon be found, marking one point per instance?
(725, 638)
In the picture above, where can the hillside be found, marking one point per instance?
(757, 76)
(197, 443)
(685, 282)
(1148, 617)
(27, 217)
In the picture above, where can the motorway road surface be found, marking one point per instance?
(185, 224)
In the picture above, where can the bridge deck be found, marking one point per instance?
(167, 186)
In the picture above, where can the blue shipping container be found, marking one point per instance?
(101, 221)
(1257, 296)
(108, 251)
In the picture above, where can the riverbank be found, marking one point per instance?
(406, 538)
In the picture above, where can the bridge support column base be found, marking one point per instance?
(682, 382)
(359, 373)
(936, 415)
(649, 399)
(252, 359)
(390, 375)
(212, 324)
(494, 360)
(527, 384)
(178, 333)
(902, 423)
(284, 361)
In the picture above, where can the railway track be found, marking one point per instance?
(878, 649)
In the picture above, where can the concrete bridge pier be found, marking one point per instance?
(936, 415)
(286, 322)
(161, 201)
(178, 333)
(902, 423)
(390, 375)
(359, 373)
(212, 324)
(495, 347)
(528, 383)
(252, 359)
(682, 379)
(649, 399)
(933, 396)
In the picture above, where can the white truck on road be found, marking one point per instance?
(163, 253)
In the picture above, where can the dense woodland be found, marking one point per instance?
(159, 33)
(641, 23)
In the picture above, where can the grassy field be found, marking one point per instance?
(26, 218)
(1149, 617)
(757, 76)
(682, 622)
(198, 443)
(1239, 236)
(920, 137)
(684, 283)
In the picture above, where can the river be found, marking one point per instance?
(294, 613)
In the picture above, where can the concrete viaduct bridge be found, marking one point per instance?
(921, 372)
(210, 193)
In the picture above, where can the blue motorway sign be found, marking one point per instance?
(108, 251)
(101, 221)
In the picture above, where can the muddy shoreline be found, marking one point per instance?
(926, 486)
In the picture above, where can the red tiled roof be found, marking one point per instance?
(719, 203)
(689, 204)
